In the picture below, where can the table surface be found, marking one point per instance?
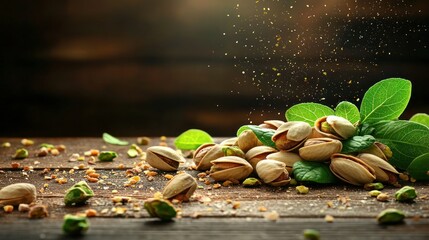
(212, 212)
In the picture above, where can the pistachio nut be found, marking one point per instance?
(229, 142)
(163, 158)
(180, 187)
(205, 154)
(258, 153)
(20, 153)
(335, 127)
(17, 193)
(273, 172)
(75, 225)
(230, 167)
(247, 140)
(373, 186)
(160, 208)
(319, 149)
(406, 194)
(78, 194)
(390, 216)
(351, 169)
(251, 182)
(288, 158)
(291, 135)
(380, 150)
(384, 172)
(107, 156)
(271, 124)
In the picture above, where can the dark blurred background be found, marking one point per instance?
(132, 67)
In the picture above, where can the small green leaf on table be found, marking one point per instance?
(357, 143)
(308, 112)
(305, 171)
(192, 139)
(419, 168)
(422, 118)
(113, 140)
(348, 111)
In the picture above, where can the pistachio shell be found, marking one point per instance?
(271, 170)
(288, 158)
(206, 153)
(247, 140)
(163, 158)
(291, 135)
(351, 169)
(229, 142)
(17, 193)
(232, 168)
(180, 187)
(319, 149)
(380, 166)
(272, 124)
(380, 150)
(258, 153)
(342, 127)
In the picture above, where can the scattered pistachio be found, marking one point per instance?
(373, 186)
(6, 144)
(20, 153)
(302, 189)
(27, 142)
(383, 197)
(374, 193)
(251, 182)
(8, 208)
(143, 140)
(390, 216)
(311, 234)
(406, 194)
(78, 194)
(160, 208)
(106, 156)
(17, 193)
(38, 211)
(75, 225)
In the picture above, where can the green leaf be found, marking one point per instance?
(348, 111)
(385, 100)
(112, 140)
(407, 140)
(263, 134)
(308, 112)
(191, 139)
(419, 168)
(313, 172)
(357, 143)
(422, 118)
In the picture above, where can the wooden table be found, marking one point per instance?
(227, 212)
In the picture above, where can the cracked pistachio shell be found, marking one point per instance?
(273, 172)
(258, 153)
(163, 158)
(272, 124)
(247, 140)
(17, 193)
(180, 187)
(319, 149)
(335, 127)
(291, 135)
(229, 142)
(384, 172)
(289, 158)
(351, 169)
(160, 208)
(230, 167)
(205, 154)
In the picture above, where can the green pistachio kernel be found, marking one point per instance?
(160, 208)
(406, 194)
(302, 189)
(107, 156)
(251, 182)
(311, 234)
(374, 193)
(20, 153)
(47, 145)
(233, 151)
(390, 216)
(373, 186)
(78, 194)
(132, 153)
(75, 225)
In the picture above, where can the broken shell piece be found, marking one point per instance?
(163, 158)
